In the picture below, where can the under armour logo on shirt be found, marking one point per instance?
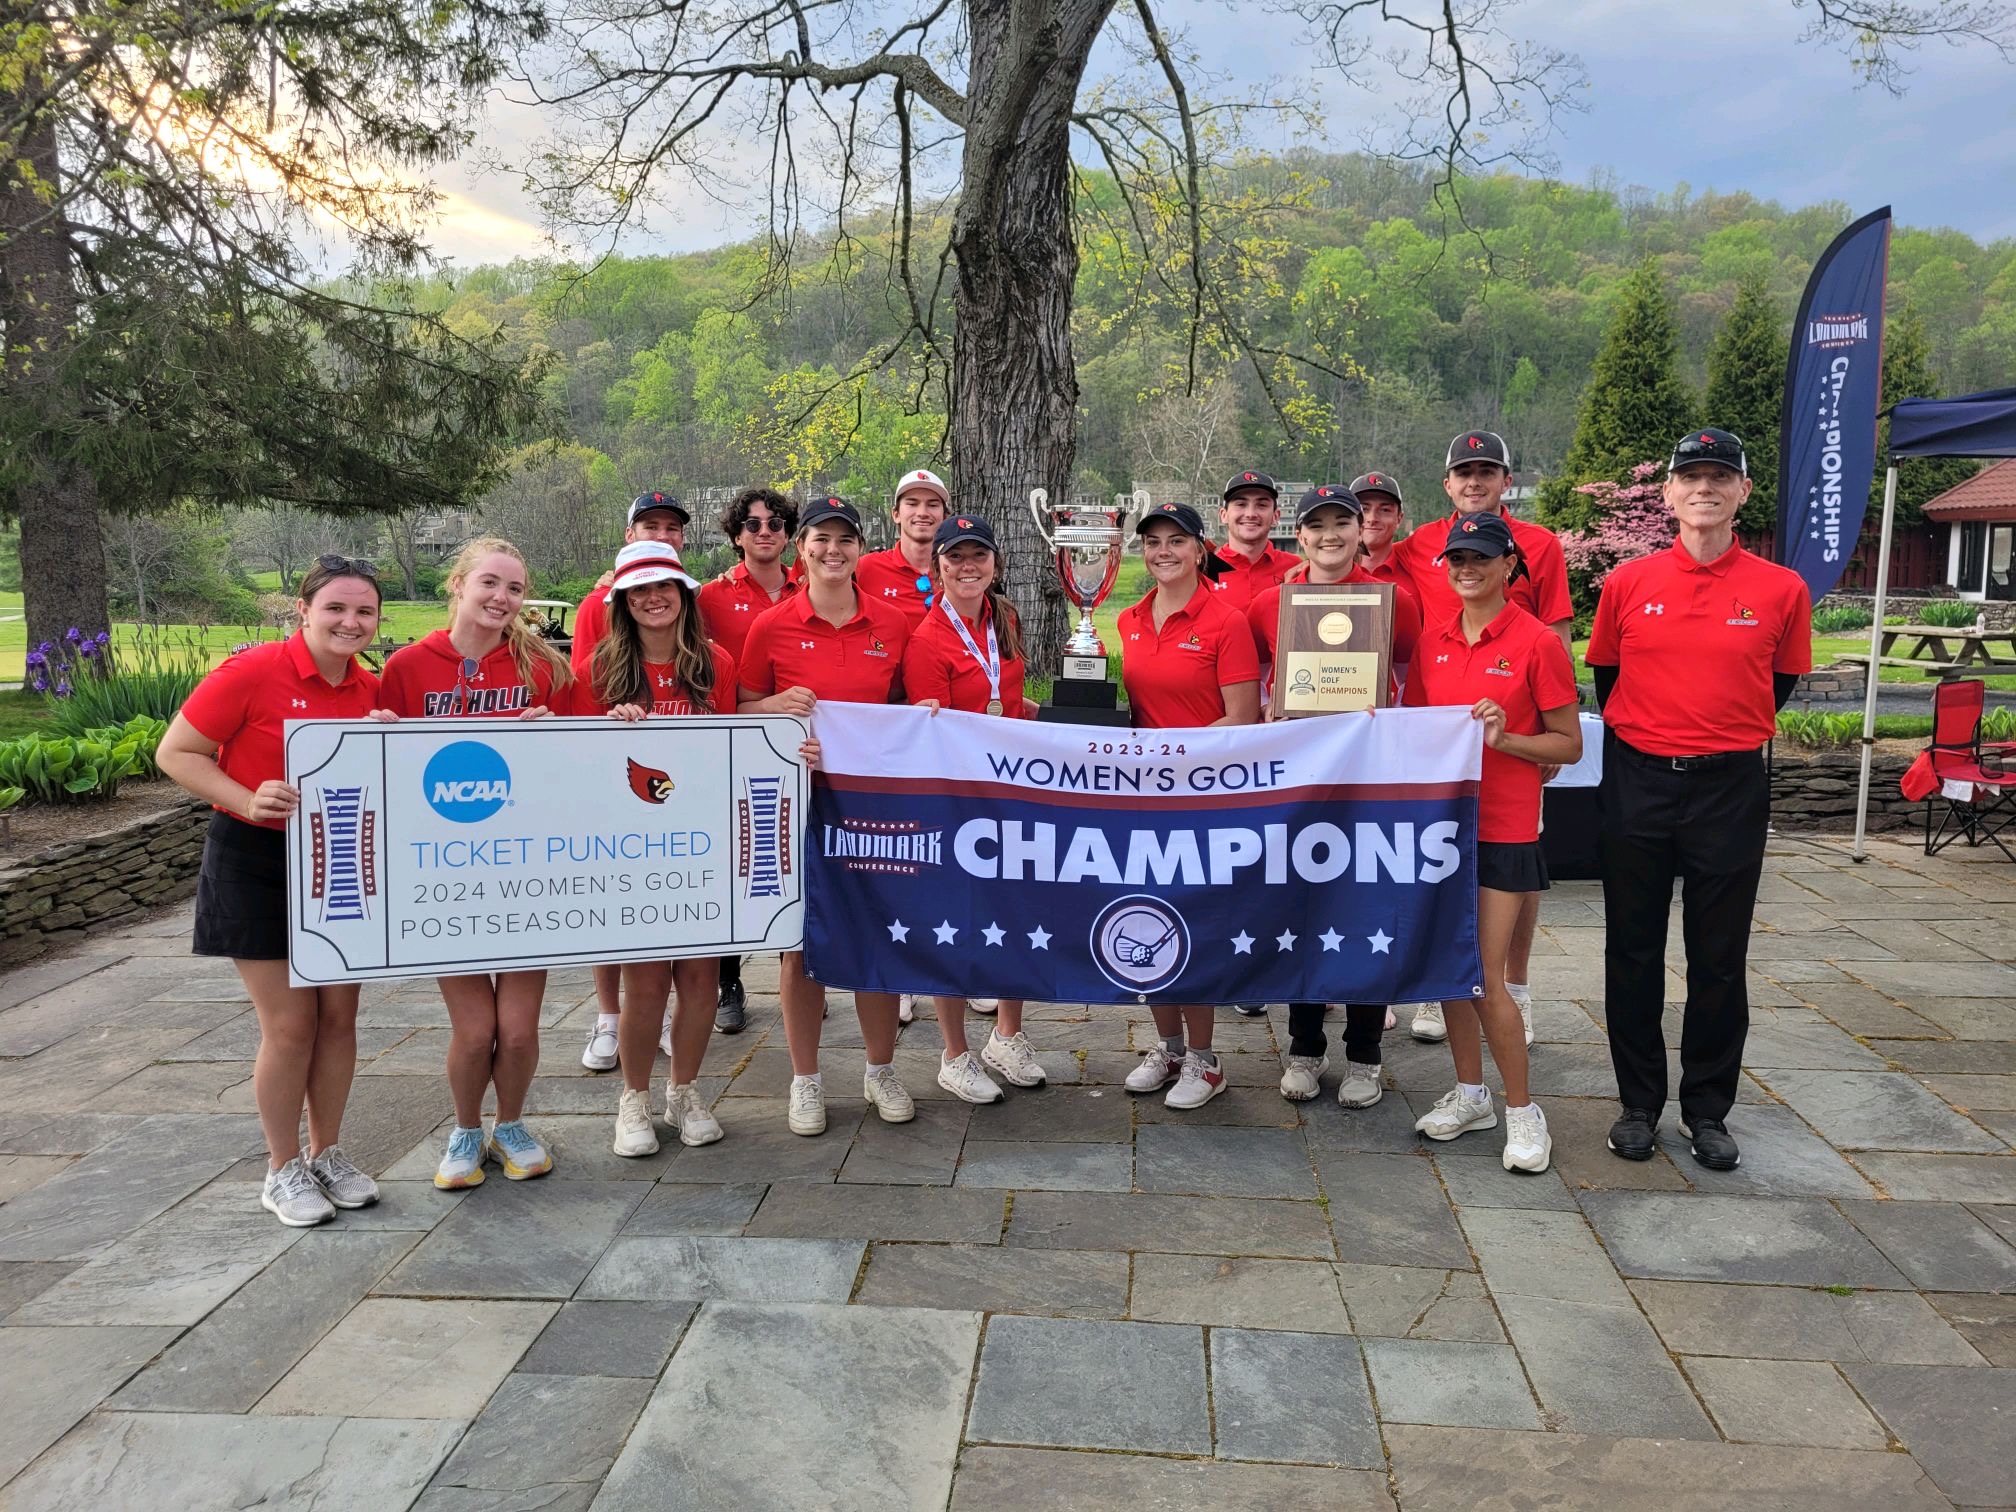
(892, 592)
(810, 645)
(299, 703)
(1443, 657)
(741, 608)
(1655, 609)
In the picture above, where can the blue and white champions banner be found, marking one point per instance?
(1319, 860)
(435, 847)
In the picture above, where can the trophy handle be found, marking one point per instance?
(1039, 511)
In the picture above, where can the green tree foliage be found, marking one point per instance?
(1746, 390)
(1636, 403)
(1908, 374)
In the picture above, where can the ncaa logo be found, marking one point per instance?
(1141, 944)
(466, 782)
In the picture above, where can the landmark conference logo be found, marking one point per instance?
(466, 782)
(1848, 337)
(343, 854)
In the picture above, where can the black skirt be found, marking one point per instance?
(241, 892)
(1516, 868)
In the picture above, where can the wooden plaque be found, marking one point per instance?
(1333, 648)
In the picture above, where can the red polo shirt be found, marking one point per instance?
(1520, 665)
(890, 580)
(1695, 645)
(936, 664)
(1542, 591)
(591, 623)
(245, 704)
(1174, 675)
(1248, 579)
(1388, 571)
(791, 647)
(668, 694)
(426, 680)
(1265, 618)
(730, 605)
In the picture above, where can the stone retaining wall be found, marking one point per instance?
(1840, 682)
(56, 894)
(1999, 614)
(1814, 792)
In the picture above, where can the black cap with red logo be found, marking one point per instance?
(1252, 480)
(1187, 520)
(832, 507)
(959, 528)
(1478, 446)
(1379, 482)
(1724, 448)
(1324, 495)
(644, 503)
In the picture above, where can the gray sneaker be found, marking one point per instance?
(291, 1195)
(341, 1182)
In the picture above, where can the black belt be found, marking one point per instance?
(1705, 763)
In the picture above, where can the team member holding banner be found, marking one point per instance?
(487, 663)
(900, 577)
(830, 641)
(967, 655)
(1515, 676)
(1187, 660)
(654, 662)
(226, 745)
(1327, 527)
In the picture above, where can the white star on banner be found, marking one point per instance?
(1331, 939)
(1039, 938)
(900, 932)
(1242, 943)
(1285, 940)
(1382, 943)
(994, 932)
(946, 933)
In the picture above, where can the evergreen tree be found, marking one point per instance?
(1746, 392)
(1636, 403)
(1908, 374)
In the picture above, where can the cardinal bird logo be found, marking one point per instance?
(1504, 664)
(1744, 611)
(1707, 440)
(1473, 443)
(1373, 478)
(650, 784)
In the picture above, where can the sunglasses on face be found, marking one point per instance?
(762, 525)
(344, 566)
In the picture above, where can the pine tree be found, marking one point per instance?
(1746, 391)
(1636, 404)
(1908, 374)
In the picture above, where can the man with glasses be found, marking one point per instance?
(759, 525)
(654, 516)
(901, 576)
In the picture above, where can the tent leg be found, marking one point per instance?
(1875, 641)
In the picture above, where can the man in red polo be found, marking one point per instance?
(1251, 510)
(759, 525)
(1694, 651)
(654, 516)
(900, 578)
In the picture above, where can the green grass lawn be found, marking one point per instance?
(401, 622)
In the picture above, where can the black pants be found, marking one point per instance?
(1363, 1024)
(731, 971)
(1705, 827)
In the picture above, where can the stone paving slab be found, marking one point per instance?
(965, 1277)
(1030, 1166)
(1955, 1423)
(1788, 1240)
(1052, 1480)
(56, 1375)
(517, 1239)
(1857, 1110)
(1234, 1293)
(682, 1269)
(548, 1431)
(1092, 1385)
(1800, 1323)
(1940, 1246)
(1176, 1225)
(609, 1339)
(1988, 1323)
(797, 1210)
(1784, 1402)
(1292, 1396)
(1453, 1385)
(399, 1357)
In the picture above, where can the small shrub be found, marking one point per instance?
(90, 683)
(145, 732)
(1948, 614)
(61, 769)
(1838, 619)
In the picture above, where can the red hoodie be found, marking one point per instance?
(669, 695)
(428, 679)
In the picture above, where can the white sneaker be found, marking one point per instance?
(964, 1079)
(462, 1162)
(1428, 1023)
(691, 1117)
(1455, 1114)
(634, 1134)
(891, 1098)
(906, 1009)
(601, 1052)
(1303, 1078)
(1360, 1087)
(1527, 1142)
(1199, 1084)
(1158, 1068)
(985, 1005)
(291, 1195)
(807, 1114)
(519, 1151)
(665, 1039)
(341, 1182)
(1526, 1016)
(1015, 1058)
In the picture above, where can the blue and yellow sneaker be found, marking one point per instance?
(462, 1166)
(522, 1156)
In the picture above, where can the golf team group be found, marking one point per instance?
(1693, 651)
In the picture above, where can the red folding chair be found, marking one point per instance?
(1990, 804)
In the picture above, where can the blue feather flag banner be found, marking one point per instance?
(1318, 860)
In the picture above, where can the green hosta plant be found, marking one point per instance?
(66, 769)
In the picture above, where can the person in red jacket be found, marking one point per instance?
(1512, 673)
(759, 524)
(225, 744)
(1250, 561)
(657, 662)
(967, 655)
(1476, 475)
(831, 641)
(488, 663)
(900, 577)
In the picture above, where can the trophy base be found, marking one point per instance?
(1117, 719)
(1086, 701)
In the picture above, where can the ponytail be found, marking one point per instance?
(1007, 623)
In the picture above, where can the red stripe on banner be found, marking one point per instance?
(1327, 793)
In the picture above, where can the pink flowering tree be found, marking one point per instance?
(1628, 520)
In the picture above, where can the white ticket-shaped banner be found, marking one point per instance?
(439, 847)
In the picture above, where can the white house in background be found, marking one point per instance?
(1981, 546)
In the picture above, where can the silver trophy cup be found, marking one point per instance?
(1087, 545)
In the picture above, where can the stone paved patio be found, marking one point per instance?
(1071, 1300)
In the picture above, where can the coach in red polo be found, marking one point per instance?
(1694, 652)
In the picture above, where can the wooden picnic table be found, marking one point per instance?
(1942, 651)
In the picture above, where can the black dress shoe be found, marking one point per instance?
(1252, 1010)
(1632, 1136)
(1712, 1144)
(732, 1013)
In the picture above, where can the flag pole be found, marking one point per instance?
(1875, 640)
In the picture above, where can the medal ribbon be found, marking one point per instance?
(991, 662)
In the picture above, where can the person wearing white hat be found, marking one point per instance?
(654, 662)
(900, 578)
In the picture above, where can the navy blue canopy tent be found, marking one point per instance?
(1973, 425)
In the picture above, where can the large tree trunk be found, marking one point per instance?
(1015, 386)
(62, 552)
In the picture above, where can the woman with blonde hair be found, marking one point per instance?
(491, 663)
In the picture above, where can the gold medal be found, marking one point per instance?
(993, 706)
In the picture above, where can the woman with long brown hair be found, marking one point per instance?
(488, 663)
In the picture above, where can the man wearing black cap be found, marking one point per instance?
(1251, 510)
(1694, 651)
(654, 516)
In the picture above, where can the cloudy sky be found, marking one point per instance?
(1716, 94)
